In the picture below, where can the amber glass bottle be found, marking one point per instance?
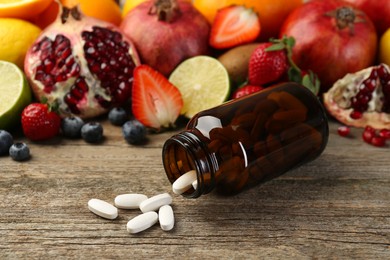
(246, 141)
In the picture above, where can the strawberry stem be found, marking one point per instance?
(295, 74)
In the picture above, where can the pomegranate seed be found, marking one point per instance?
(356, 115)
(368, 135)
(385, 133)
(343, 131)
(378, 141)
(369, 129)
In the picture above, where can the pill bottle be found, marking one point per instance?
(249, 140)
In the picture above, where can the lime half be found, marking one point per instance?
(15, 94)
(203, 82)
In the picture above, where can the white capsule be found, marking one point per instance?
(195, 184)
(166, 217)
(102, 208)
(142, 222)
(184, 182)
(129, 201)
(155, 202)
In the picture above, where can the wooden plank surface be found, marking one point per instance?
(337, 206)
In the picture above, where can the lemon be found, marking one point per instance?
(15, 94)
(16, 37)
(203, 83)
(384, 48)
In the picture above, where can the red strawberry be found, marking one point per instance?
(234, 25)
(245, 90)
(39, 122)
(156, 102)
(266, 66)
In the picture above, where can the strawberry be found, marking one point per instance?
(234, 25)
(156, 102)
(39, 122)
(267, 66)
(246, 90)
(272, 61)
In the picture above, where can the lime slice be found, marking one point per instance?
(203, 82)
(15, 94)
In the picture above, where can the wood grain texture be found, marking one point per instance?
(337, 206)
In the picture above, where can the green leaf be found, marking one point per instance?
(311, 82)
(289, 41)
(276, 47)
(294, 75)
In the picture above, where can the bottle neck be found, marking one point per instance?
(185, 152)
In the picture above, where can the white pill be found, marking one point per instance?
(166, 217)
(184, 182)
(142, 222)
(195, 184)
(129, 201)
(102, 208)
(155, 202)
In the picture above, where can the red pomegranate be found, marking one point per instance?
(83, 64)
(332, 39)
(362, 99)
(377, 10)
(166, 32)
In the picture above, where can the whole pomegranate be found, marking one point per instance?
(332, 39)
(377, 10)
(166, 32)
(83, 64)
(362, 99)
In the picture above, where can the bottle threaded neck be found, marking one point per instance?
(184, 152)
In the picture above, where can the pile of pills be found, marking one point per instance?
(148, 206)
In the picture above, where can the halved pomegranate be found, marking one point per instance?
(84, 64)
(362, 99)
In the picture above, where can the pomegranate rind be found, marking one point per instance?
(335, 101)
(89, 107)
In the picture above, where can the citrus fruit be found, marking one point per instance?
(16, 36)
(271, 13)
(130, 4)
(106, 10)
(384, 48)
(203, 83)
(15, 94)
(23, 9)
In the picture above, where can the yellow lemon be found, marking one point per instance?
(384, 48)
(16, 37)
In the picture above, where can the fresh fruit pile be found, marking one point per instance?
(149, 62)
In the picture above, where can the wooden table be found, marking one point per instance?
(337, 206)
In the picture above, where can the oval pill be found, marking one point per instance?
(184, 182)
(195, 184)
(155, 202)
(166, 217)
(129, 201)
(142, 222)
(102, 208)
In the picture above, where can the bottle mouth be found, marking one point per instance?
(185, 152)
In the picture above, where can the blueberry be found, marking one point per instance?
(117, 116)
(134, 131)
(6, 140)
(92, 132)
(19, 152)
(71, 126)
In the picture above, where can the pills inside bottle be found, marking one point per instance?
(246, 141)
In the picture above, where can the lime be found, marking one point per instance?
(203, 83)
(15, 94)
